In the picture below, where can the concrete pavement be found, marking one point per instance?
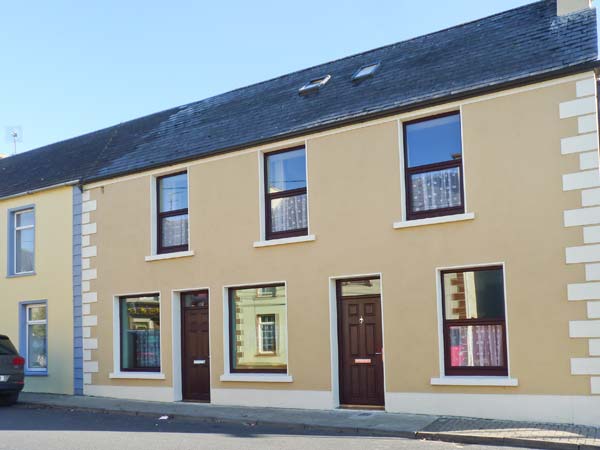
(377, 423)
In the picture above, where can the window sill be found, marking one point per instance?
(170, 256)
(41, 373)
(137, 376)
(434, 220)
(474, 381)
(19, 275)
(283, 241)
(257, 377)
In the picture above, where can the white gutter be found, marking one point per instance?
(47, 188)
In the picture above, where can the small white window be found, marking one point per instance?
(314, 84)
(36, 336)
(365, 72)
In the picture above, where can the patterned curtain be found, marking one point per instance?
(476, 346)
(435, 190)
(289, 213)
(147, 348)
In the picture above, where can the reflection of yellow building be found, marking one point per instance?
(260, 328)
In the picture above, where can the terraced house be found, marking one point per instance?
(415, 228)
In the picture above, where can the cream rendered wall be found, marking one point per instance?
(513, 172)
(52, 282)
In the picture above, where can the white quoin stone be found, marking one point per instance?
(584, 291)
(564, 7)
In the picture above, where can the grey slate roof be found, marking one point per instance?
(522, 45)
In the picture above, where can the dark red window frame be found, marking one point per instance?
(269, 197)
(161, 215)
(409, 171)
(232, 337)
(448, 323)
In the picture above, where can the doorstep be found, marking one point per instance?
(380, 423)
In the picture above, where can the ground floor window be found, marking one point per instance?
(140, 333)
(258, 329)
(36, 337)
(474, 322)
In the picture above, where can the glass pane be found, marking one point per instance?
(247, 308)
(433, 141)
(474, 295)
(37, 351)
(286, 171)
(173, 193)
(6, 347)
(267, 337)
(37, 313)
(174, 231)
(477, 346)
(361, 287)
(24, 219)
(140, 333)
(289, 213)
(195, 299)
(24, 250)
(435, 190)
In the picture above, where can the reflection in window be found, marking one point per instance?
(433, 165)
(24, 231)
(36, 338)
(140, 333)
(172, 194)
(286, 201)
(474, 322)
(258, 329)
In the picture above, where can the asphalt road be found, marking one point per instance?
(26, 428)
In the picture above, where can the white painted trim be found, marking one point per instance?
(474, 381)
(584, 329)
(581, 180)
(583, 254)
(588, 160)
(592, 272)
(591, 197)
(173, 255)
(434, 221)
(257, 377)
(591, 235)
(585, 87)
(272, 398)
(261, 197)
(145, 393)
(226, 361)
(333, 332)
(583, 291)
(585, 366)
(593, 310)
(579, 143)
(176, 338)
(587, 124)
(438, 275)
(407, 116)
(137, 376)
(284, 241)
(400, 130)
(117, 332)
(584, 410)
(594, 347)
(578, 107)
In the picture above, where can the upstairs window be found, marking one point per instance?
(433, 167)
(21, 251)
(172, 196)
(285, 191)
(474, 322)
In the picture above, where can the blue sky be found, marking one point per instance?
(71, 67)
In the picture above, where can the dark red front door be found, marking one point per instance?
(360, 350)
(195, 358)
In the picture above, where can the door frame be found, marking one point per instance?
(334, 332)
(176, 318)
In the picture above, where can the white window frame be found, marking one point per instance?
(404, 222)
(262, 241)
(444, 380)
(251, 377)
(117, 373)
(28, 323)
(154, 255)
(260, 340)
(17, 229)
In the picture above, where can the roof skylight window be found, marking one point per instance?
(314, 84)
(365, 72)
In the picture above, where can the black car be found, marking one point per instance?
(12, 376)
